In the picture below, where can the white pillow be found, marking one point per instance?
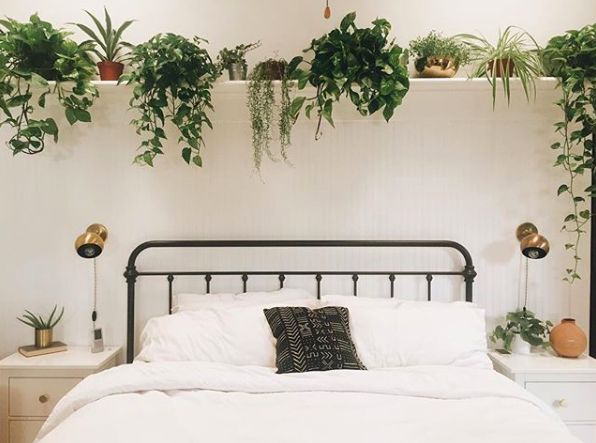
(420, 333)
(193, 302)
(238, 335)
(349, 301)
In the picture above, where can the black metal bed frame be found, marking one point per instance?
(131, 274)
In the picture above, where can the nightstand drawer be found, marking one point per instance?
(23, 431)
(36, 397)
(572, 401)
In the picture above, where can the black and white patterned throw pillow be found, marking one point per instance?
(312, 340)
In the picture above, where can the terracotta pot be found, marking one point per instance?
(43, 338)
(110, 70)
(438, 67)
(504, 66)
(567, 339)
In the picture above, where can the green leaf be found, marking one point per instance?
(562, 188)
(197, 160)
(186, 154)
(71, 115)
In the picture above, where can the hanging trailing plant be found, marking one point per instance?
(359, 63)
(262, 105)
(31, 55)
(572, 58)
(172, 78)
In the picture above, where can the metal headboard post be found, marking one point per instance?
(131, 274)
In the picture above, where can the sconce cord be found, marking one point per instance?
(94, 313)
(526, 287)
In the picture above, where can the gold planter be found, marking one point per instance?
(437, 67)
(43, 338)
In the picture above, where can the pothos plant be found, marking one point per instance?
(172, 78)
(31, 55)
(362, 64)
(572, 58)
(525, 324)
(262, 105)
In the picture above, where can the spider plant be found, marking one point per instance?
(516, 54)
(108, 45)
(38, 322)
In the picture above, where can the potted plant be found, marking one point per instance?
(43, 327)
(521, 331)
(436, 56)
(362, 64)
(234, 60)
(516, 54)
(32, 54)
(172, 78)
(261, 106)
(109, 47)
(571, 58)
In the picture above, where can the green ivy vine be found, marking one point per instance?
(359, 63)
(31, 55)
(572, 58)
(172, 78)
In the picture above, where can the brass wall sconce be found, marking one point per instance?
(532, 244)
(90, 244)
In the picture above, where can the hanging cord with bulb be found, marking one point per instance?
(94, 312)
(327, 13)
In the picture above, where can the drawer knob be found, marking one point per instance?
(562, 403)
(43, 398)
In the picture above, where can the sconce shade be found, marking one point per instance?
(532, 244)
(91, 243)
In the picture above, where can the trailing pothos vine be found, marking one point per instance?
(572, 58)
(172, 78)
(262, 105)
(31, 55)
(360, 63)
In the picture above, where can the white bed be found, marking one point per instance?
(212, 402)
(207, 373)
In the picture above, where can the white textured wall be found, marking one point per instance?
(446, 167)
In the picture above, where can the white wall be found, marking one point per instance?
(445, 167)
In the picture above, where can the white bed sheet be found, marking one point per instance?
(218, 403)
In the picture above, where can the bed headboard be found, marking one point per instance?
(132, 273)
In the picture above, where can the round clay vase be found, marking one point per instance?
(110, 70)
(567, 339)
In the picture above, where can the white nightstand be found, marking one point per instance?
(568, 385)
(31, 387)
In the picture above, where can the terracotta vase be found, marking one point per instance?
(567, 339)
(503, 66)
(110, 70)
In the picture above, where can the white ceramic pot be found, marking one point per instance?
(519, 346)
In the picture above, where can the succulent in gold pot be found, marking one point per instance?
(436, 56)
(43, 327)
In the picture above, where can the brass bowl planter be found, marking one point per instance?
(438, 67)
(43, 337)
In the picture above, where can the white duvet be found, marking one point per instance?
(218, 403)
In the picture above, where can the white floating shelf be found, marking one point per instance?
(416, 84)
